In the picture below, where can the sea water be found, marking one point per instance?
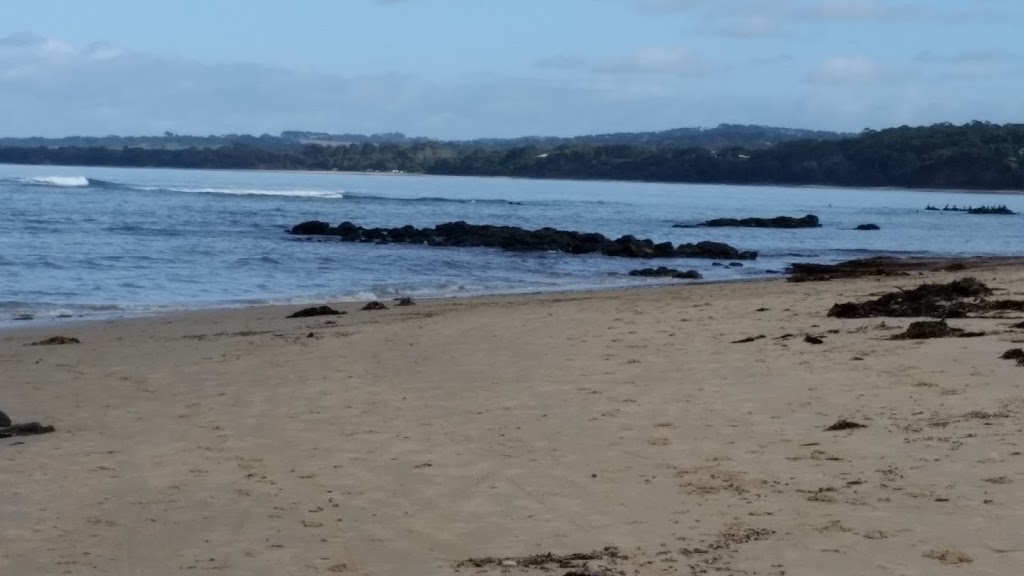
(80, 241)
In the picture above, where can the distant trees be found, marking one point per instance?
(977, 155)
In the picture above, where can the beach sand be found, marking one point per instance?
(399, 442)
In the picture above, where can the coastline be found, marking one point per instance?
(405, 440)
(1007, 192)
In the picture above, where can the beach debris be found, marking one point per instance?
(28, 429)
(808, 221)
(929, 301)
(925, 329)
(315, 311)
(374, 306)
(762, 309)
(749, 339)
(56, 341)
(405, 301)
(868, 227)
(949, 556)
(844, 424)
(813, 339)
(663, 272)
(512, 238)
(578, 563)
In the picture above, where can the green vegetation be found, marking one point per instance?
(721, 136)
(978, 155)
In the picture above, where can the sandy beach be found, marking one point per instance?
(403, 441)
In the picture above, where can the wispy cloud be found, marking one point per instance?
(846, 70)
(659, 60)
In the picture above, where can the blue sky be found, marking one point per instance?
(478, 68)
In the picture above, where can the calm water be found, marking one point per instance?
(98, 241)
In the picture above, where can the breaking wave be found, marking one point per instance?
(57, 181)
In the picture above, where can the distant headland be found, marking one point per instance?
(976, 155)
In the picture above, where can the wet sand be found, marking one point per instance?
(402, 441)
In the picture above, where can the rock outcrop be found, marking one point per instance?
(663, 272)
(513, 238)
(808, 221)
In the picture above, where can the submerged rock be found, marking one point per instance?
(869, 227)
(808, 221)
(513, 238)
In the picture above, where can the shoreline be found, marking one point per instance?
(685, 425)
(1001, 192)
(972, 263)
(15, 325)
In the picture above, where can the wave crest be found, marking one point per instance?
(57, 181)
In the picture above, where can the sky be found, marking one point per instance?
(460, 69)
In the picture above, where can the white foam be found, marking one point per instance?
(58, 181)
(257, 192)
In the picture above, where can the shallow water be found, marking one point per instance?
(80, 241)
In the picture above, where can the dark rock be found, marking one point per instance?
(315, 311)
(998, 210)
(869, 227)
(735, 265)
(933, 329)
(28, 429)
(312, 227)
(406, 301)
(927, 300)
(808, 221)
(878, 266)
(374, 306)
(716, 250)
(1014, 354)
(663, 272)
(512, 238)
(844, 424)
(5, 420)
(56, 341)
(813, 339)
(23, 317)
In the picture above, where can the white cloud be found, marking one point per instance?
(562, 63)
(51, 88)
(751, 27)
(659, 60)
(846, 70)
(873, 10)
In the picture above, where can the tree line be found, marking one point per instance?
(977, 155)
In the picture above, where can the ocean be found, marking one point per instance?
(81, 242)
